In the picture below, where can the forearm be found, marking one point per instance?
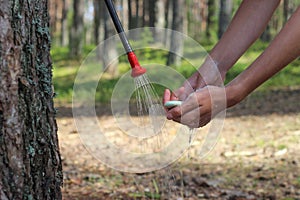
(283, 50)
(247, 25)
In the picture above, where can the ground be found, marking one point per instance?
(256, 157)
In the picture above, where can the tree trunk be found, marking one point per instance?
(125, 14)
(64, 25)
(152, 17)
(176, 47)
(134, 19)
(30, 162)
(130, 20)
(53, 10)
(97, 21)
(109, 51)
(168, 16)
(224, 16)
(145, 13)
(137, 16)
(160, 21)
(211, 18)
(77, 30)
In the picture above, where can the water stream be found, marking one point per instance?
(149, 103)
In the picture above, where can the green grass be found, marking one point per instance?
(65, 69)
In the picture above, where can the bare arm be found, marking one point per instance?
(197, 109)
(283, 50)
(247, 25)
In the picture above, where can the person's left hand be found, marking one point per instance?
(199, 107)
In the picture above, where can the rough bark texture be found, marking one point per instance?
(176, 47)
(30, 162)
(226, 7)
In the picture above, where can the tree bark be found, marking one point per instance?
(30, 162)
(77, 30)
(176, 47)
(224, 16)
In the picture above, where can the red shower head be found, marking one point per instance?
(137, 70)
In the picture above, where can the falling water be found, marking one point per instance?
(148, 103)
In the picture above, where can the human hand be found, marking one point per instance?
(199, 107)
(207, 74)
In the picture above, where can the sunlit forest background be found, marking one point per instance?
(79, 26)
(257, 155)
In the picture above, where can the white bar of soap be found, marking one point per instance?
(170, 104)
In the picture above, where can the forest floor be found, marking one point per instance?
(256, 157)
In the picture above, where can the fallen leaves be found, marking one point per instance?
(257, 157)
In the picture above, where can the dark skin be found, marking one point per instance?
(202, 94)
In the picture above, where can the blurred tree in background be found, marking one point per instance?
(77, 28)
(224, 16)
(176, 46)
(204, 20)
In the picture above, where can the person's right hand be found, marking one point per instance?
(207, 74)
(199, 107)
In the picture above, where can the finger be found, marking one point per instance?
(167, 96)
(205, 120)
(191, 118)
(190, 124)
(173, 97)
(188, 105)
(195, 123)
(183, 92)
(179, 93)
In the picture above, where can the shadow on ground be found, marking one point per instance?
(280, 101)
